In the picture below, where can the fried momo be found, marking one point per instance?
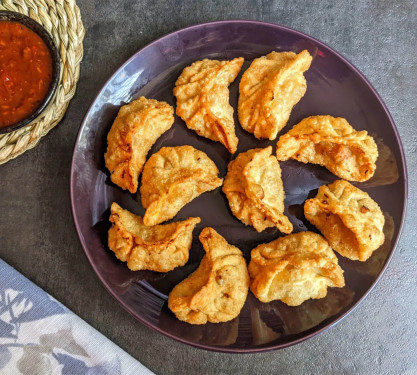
(159, 248)
(348, 218)
(374, 265)
(294, 269)
(173, 177)
(269, 89)
(253, 186)
(203, 99)
(217, 290)
(136, 128)
(332, 143)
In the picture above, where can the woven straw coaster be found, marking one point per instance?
(61, 18)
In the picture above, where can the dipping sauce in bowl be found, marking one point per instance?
(26, 70)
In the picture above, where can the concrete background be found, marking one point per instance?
(38, 237)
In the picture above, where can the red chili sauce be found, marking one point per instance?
(25, 72)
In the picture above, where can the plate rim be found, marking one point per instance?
(313, 331)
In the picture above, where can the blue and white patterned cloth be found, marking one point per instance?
(38, 335)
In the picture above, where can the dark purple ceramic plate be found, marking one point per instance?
(335, 87)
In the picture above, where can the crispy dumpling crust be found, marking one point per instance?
(136, 128)
(217, 290)
(254, 188)
(269, 89)
(173, 177)
(159, 248)
(374, 265)
(348, 218)
(294, 269)
(333, 143)
(203, 99)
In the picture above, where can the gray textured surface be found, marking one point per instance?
(39, 239)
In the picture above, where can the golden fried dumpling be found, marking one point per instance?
(173, 177)
(348, 218)
(203, 99)
(294, 269)
(159, 248)
(269, 89)
(253, 186)
(376, 262)
(217, 290)
(332, 143)
(137, 127)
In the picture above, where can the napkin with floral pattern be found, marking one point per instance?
(38, 335)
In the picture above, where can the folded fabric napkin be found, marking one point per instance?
(38, 335)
